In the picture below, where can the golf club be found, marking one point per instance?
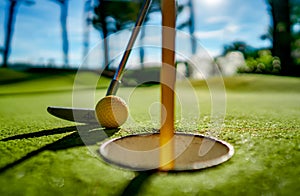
(85, 115)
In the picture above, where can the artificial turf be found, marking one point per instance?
(44, 155)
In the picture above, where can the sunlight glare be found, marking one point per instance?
(212, 3)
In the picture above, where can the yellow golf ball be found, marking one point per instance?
(111, 111)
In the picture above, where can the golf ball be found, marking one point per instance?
(111, 111)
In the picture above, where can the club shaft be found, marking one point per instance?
(114, 85)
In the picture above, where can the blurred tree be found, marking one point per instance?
(124, 13)
(295, 19)
(189, 23)
(242, 47)
(155, 7)
(112, 16)
(64, 31)
(281, 35)
(87, 21)
(12, 11)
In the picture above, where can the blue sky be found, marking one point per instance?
(37, 37)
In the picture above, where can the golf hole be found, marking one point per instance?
(141, 152)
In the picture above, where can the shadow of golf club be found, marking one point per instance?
(92, 136)
(41, 133)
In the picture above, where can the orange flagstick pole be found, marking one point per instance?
(168, 78)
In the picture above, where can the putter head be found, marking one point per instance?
(80, 115)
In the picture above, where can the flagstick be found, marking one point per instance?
(168, 77)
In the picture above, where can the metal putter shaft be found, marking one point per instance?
(114, 84)
(85, 115)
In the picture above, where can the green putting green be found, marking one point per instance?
(44, 155)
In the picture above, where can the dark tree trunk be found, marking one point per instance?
(104, 35)
(142, 50)
(192, 27)
(9, 31)
(64, 33)
(280, 11)
(86, 28)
